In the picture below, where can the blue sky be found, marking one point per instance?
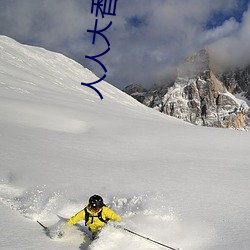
(148, 38)
(218, 17)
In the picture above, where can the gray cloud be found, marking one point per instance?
(148, 38)
(233, 49)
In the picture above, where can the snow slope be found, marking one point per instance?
(179, 184)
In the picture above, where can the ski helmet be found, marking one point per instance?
(95, 202)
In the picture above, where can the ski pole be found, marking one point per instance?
(45, 228)
(146, 238)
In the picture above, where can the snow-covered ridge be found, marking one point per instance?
(36, 68)
(31, 73)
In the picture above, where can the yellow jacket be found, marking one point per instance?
(94, 223)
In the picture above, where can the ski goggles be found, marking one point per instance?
(94, 208)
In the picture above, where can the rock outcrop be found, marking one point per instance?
(199, 96)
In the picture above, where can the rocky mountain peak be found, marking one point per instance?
(196, 64)
(200, 96)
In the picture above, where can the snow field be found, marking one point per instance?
(181, 185)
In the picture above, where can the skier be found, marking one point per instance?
(95, 214)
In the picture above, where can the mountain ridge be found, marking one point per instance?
(200, 95)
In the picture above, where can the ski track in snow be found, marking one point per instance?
(43, 117)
